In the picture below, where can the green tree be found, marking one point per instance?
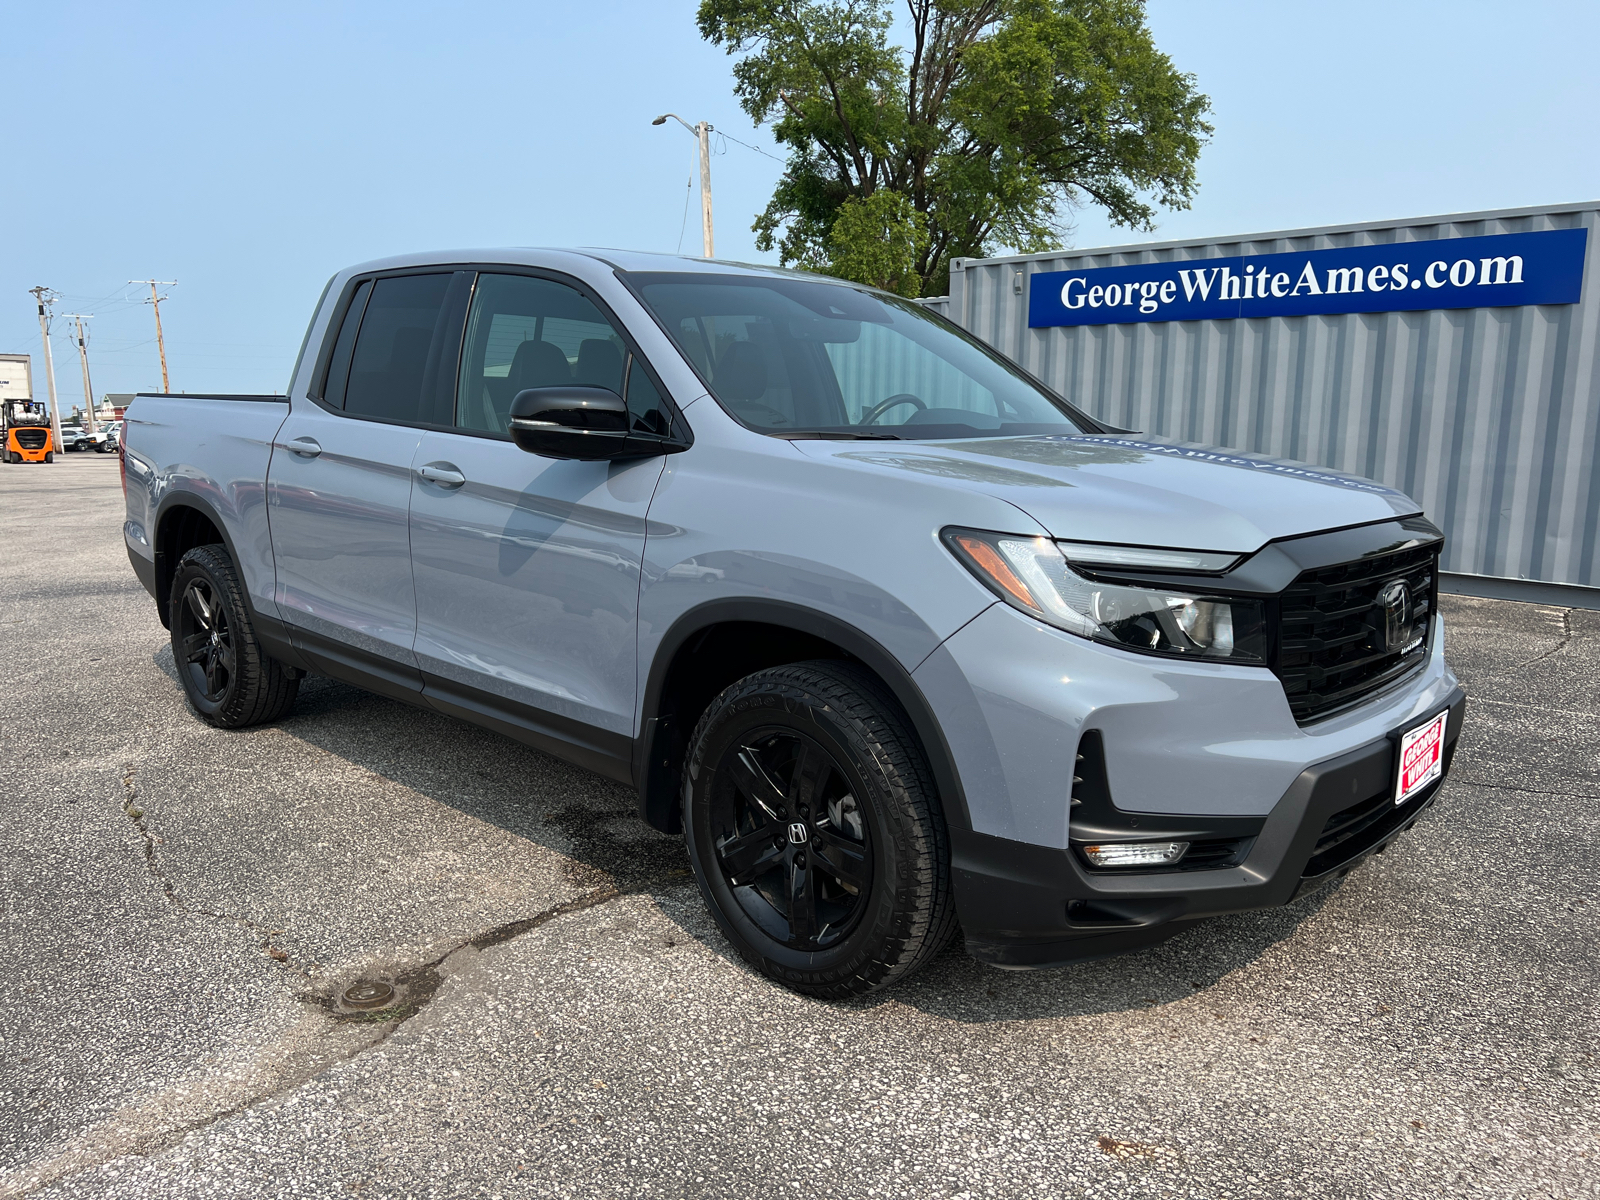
(879, 239)
(1001, 118)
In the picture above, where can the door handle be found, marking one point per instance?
(305, 447)
(443, 473)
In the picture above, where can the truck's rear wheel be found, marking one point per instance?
(229, 679)
(814, 830)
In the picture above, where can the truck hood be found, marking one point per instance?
(1144, 490)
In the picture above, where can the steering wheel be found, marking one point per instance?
(878, 410)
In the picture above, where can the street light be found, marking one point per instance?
(702, 131)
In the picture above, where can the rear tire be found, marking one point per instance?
(230, 681)
(815, 832)
(49, 456)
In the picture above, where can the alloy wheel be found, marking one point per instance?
(207, 641)
(791, 838)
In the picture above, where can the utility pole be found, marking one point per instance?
(83, 357)
(155, 300)
(46, 297)
(702, 132)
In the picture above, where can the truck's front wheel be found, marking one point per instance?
(229, 679)
(814, 830)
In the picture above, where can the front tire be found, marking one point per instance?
(229, 680)
(814, 830)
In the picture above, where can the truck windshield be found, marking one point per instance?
(793, 357)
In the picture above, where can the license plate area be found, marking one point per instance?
(1420, 757)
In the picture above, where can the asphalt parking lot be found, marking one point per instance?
(181, 904)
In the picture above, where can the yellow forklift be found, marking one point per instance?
(27, 432)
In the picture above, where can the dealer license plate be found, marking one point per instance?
(1421, 758)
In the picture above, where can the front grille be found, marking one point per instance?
(1332, 649)
(32, 439)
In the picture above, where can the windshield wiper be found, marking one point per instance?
(831, 435)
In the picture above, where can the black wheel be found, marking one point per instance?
(50, 456)
(229, 680)
(814, 830)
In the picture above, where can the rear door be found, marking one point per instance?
(339, 484)
(527, 568)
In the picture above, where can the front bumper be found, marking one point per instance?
(1025, 905)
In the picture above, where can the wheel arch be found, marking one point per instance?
(716, 643)
(186, 519)
(183, 521)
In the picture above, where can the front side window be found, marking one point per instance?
(796, 356)
(526, 332)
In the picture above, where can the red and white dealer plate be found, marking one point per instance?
(1421, 758)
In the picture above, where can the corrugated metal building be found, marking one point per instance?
(1488, 416)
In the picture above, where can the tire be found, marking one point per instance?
(49, 456)
(862, 897)
(230, 681)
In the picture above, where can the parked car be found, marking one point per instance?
(107, 437)
(897, 637)
(74, 437)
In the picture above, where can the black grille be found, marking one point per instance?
(1215, 853)
(1332, 646)
(32, 439)
(1355, 830)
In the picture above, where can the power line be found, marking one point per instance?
(748, 146)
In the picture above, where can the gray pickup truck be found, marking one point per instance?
(898, 638)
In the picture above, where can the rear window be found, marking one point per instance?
(398, 347)
(390, 363)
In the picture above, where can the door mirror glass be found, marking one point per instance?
(570, 422)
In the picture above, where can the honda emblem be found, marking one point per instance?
(1395, 599)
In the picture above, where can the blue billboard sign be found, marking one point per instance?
(1467, 272)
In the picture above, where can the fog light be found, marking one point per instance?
(1135, 854)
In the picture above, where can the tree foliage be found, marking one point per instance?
(1000, 118)
(879, 239)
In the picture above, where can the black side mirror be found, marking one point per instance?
(587, 423)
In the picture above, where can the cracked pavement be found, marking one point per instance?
(181, 906)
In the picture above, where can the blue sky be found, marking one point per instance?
(250, 151)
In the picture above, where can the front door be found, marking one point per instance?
(526, 568)
(339, 483)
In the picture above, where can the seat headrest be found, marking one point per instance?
(599, 364)
(538, 364)
(741, 372)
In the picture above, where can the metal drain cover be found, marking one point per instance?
(369, 994)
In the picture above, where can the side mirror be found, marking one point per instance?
(587, 423)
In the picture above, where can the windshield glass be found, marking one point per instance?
(795, 357)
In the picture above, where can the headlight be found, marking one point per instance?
(1032, 574)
